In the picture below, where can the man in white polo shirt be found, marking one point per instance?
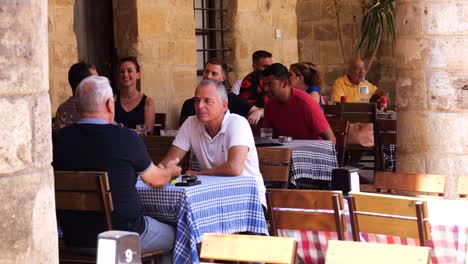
(222, 142)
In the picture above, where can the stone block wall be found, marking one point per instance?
(165, 46)
(318, 42)
(165, 43)
(252, 26)
(27, 212)
(432, 89)
(63, 49)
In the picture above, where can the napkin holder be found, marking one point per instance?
(118, 247)
(345, 179)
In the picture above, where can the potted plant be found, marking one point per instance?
(378, 18)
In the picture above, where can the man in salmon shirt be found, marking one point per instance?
(290, 111)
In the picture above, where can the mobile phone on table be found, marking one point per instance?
(188, 180)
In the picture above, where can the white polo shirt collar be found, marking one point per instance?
(224, 125)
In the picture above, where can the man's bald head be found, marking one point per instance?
(356, 70)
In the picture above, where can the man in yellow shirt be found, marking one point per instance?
(353, 84)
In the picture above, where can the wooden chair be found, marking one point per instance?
(388, 215)
(408, 183)
(340, 130)
(332, 112)
(86, 191)
(157, 147)
(385, 135)
(248, 248)
(275, 165)
(329, 218)
(339, 252)
(462, 186)
(159, 123)
(360, 113)
(354, 113)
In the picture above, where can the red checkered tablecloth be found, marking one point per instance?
(449, 241)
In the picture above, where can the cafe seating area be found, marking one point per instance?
(396, 213)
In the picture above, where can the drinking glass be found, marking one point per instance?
(266, 132)
(364, 93)
(141, 129)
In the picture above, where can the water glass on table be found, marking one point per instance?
(364, 93)
(141, 129)
(266, 132)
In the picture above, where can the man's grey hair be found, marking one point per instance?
(93, 92)
(220, 89)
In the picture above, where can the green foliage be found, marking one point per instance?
(378, 18)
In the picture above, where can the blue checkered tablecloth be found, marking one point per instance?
(218, 205)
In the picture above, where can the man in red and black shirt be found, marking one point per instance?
(252, 87)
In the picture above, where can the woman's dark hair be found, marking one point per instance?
(309, 72)
(130, 59)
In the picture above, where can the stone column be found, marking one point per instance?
(432, 88)
(27, 211)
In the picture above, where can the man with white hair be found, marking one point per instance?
(222, 142)
(95, 144)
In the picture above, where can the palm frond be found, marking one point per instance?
(377, 19)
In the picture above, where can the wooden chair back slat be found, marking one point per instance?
(369, 108)
(159, 122)
(389, 215)
(158, 141)
(75, 190)
(323, 210)
(393, 226)
(358, 117)
(305, 221)
(462, 186)
(351, 252)
(247, 248)
(274, 173)
(78, 201)
(408, 182)
(275, 164)
(332, 111)
(305, 199)
(387, 204)
(79, 181)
